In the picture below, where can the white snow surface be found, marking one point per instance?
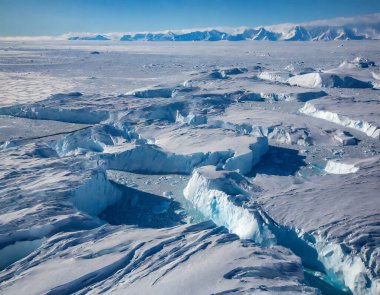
(191, 168)
(184, 260)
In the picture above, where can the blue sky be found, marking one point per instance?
(54, 17)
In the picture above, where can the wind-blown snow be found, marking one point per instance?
(184, 260)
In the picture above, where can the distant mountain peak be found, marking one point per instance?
(298, 33)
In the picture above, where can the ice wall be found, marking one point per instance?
(217, 195)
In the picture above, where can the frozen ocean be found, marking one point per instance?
(167, 167)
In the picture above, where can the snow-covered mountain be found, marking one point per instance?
(96, 37)
(352, 28)
(297, 33)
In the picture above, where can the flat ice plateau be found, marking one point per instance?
(189, 168)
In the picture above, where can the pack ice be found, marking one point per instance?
(190, 168)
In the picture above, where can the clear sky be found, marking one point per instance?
(54, 17)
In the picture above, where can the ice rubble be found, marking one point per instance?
(334, 167)
(280, 127)
(254, 88)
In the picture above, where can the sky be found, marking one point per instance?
(56, 17)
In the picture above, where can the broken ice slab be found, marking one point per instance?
(345, 138)
(215, 146)
(328, 80)
(360, 114)
(219, 196)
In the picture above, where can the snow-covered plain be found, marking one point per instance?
(189, 168)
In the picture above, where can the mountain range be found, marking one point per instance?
(364, 27)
